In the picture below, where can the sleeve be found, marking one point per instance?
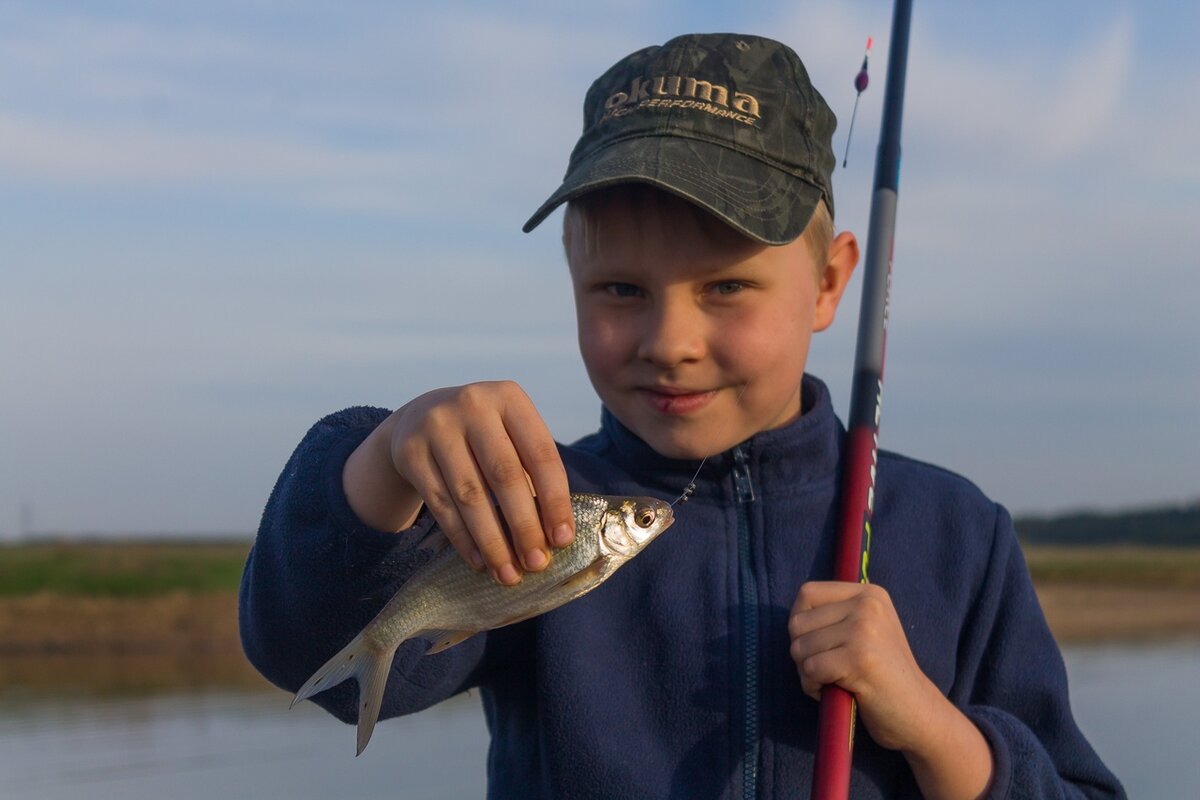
(317, 575)
(1013, 685)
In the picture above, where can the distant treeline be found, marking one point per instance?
(1167, 526)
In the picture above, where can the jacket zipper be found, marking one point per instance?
(744, 490)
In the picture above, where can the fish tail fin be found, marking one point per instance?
(369, 667)
(371, 682)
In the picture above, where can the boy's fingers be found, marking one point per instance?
(822, 657)
(820, 670)
(484, 444)
(452, 525)
(498, 557)
(807, 621)
(864, 634)
(866, 616)
(501, 467)
(426, 478)
(820, 593)
(543, 464)
(463, 487)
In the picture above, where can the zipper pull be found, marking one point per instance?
(741, 476)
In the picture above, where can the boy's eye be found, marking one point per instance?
(728, 287)
(622, 290)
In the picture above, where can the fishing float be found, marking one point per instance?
(860, 85)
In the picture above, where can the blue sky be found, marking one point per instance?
(220, 221)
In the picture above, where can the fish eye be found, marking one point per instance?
(644, 517)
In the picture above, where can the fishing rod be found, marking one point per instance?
(835, 737)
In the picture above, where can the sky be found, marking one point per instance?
(220, 221)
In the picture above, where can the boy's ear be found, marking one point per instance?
(835, 277)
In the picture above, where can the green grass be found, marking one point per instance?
(1115, 565)
(144, 568)
(120, 569)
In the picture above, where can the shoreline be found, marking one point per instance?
(203, 626)
(145, 646)
(206, 623)
(139, 618)
(1086, 613)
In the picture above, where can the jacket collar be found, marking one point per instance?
(805, 451)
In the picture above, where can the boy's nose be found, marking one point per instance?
(671, 336)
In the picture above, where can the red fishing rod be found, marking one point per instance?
(835, 742)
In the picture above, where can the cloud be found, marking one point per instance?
(384, 116)
(131, 154)
(1041, 102)
(1081, 106)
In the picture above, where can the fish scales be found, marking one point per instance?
(446, 601)
(447, 595)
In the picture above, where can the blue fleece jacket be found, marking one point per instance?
(673, 679)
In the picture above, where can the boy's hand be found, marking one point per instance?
(457, 448)
(849, 634)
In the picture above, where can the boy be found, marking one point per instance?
(701, 252)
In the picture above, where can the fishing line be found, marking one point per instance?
(690, 489)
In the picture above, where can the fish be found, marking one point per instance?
(446, 601)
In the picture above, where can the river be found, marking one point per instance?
(1137, 703)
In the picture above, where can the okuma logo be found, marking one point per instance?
(682, 91)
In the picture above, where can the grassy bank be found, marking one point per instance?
(122, 617)
(121, 568)
(1120, 592)
(1123, 565)
(146, 598)
(151, 568)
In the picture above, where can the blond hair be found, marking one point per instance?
(818, 234)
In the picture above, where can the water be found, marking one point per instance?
(1140, 709)
(1137, 704)
(227, 744)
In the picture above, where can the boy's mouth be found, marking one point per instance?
(676, 401)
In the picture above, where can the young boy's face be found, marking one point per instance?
(693, 335)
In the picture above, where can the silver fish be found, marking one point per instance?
(446, 601)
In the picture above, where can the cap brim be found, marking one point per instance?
(765, 203)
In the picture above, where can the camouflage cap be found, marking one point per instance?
(729, 122)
